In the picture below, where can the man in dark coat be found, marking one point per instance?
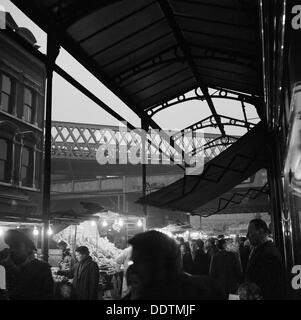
(201, 261)
(27, 277)
(225, 268)
(265, 266)
(85, 275)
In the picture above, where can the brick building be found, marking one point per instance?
(22, 86)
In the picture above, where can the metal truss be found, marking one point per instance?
(238, 197)
(166, 57)
(214, 147)
(173, 55)
(81, 141)
(196, 95)
(210, 122)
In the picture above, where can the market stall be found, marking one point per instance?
(105, 236)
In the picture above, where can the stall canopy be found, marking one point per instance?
(225, 171)
(150, 52)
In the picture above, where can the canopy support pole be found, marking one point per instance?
(53, 48)
(144, 127)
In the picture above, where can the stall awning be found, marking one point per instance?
(148, 52)
(244, 158)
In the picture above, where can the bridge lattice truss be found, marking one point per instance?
(81, 141)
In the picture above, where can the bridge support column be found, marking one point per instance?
(53, 48)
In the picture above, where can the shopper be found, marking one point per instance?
(210, 247)
(265, 266)
(85, 274)
(157, 266)
(67, 261)
(225, 268)
(186, 258)
(27, 277)
(244, 252)
(201, 261)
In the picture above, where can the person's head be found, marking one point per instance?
(81, 253)
(62, 245)
(210, 243)
(182, 248)
(249, 291)
(221, 244)
(257, 231)
(156, 258)
(194, 245)
(200, 244)
(20, 246)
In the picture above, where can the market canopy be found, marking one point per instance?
(149, 52)
(243, 159)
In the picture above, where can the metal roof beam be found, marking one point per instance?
(167, 10)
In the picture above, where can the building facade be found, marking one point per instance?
(22, 88)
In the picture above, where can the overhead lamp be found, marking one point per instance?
(93, 223)
(120, 222)
(35, 231)
(139, 223)
(104, 223)
(49, 231)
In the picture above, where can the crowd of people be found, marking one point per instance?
(157, 267)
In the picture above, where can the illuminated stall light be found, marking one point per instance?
(35, 231)
(195, 235)
(1, 231)
(104, 223)
(120, 222)
(49, 231)
(139, 223)
(93, 223)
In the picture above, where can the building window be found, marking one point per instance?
(5, 160)
(6, 93)
(28, 105)
(27, 167)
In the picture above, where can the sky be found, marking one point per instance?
(72, 106)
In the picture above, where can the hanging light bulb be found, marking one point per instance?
(93, 223)
(120, 222)
(18, 227)
(139, 223)
(35, 231)
(49, 231)
(104, 223)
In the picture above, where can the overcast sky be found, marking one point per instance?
(72, 106)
